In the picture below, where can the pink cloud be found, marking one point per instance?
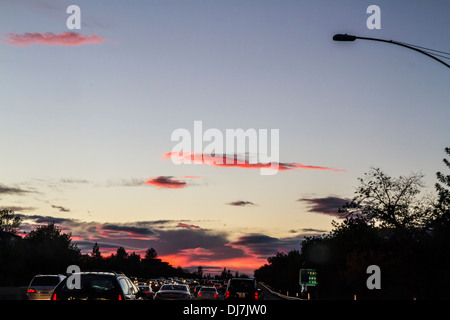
(166, 182)
(190, 226)
(51, 39)
(228, 161)
(196, 252)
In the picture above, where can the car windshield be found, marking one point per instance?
(96, 283)
(208, 290)
(174, 287)
(45, 281)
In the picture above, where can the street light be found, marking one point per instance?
(346, 37)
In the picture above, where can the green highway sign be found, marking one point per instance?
(308, 277)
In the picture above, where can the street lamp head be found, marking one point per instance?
(343, 37)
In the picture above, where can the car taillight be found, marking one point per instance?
(31, 291)
(147, 292)
(54, 296)
(216, 295)
(256, 295)
(120, 297)
(199, 294)
(227, 294)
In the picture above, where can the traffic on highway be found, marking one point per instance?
(118, 286)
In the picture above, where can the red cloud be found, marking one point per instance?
(50, 39)
(166, 182)
(243, 264)
(227, 161)
(191, 226)
(196, 252)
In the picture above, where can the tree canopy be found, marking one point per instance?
(388, 223)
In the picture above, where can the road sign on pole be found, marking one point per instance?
(308, 277)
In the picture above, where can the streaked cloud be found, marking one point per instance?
(191, 226)
(60, 208)
(325, 205)
(166, 182)
(116, 230)
(75, 181)
(314, 230)
(236, 161)
(17, 208)
(262, 245)
(13, 190)
(126, 183)
(241, 203)
(31, 220)
(50, 39)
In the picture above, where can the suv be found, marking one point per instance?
(98, 286)
(242, 288)
(42, 285)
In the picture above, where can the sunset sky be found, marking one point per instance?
(86, 118)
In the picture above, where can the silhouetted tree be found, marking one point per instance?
(132, 266)
(226, 274)
(9, 244)
(390, 202)
(443, 190)
(48, 250)
(95, 254)
(9, 222)
(199, 272)
(121, 253)
(281, 272)
(151, 254)
(387, 224)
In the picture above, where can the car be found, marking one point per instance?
(242, 288)
(146, 291)
(196, 289)
(219, 287)
(208, 293)
(42, 285)
(98, 286)
(173, 292)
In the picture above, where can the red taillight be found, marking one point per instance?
(31, 291)
(147, 292)
(199, 294)
(120, 297)
(227, 294)
(54, 296)
(256, 295)
(216, 295)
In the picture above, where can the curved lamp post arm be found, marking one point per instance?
(346, 37)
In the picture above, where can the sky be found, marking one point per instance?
(87, 117)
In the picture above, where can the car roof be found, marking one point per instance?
(106, 273)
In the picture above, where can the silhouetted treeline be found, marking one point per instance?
(387, 224)
(47, 250)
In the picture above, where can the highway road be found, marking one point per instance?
(267, 294)
(19, 293)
